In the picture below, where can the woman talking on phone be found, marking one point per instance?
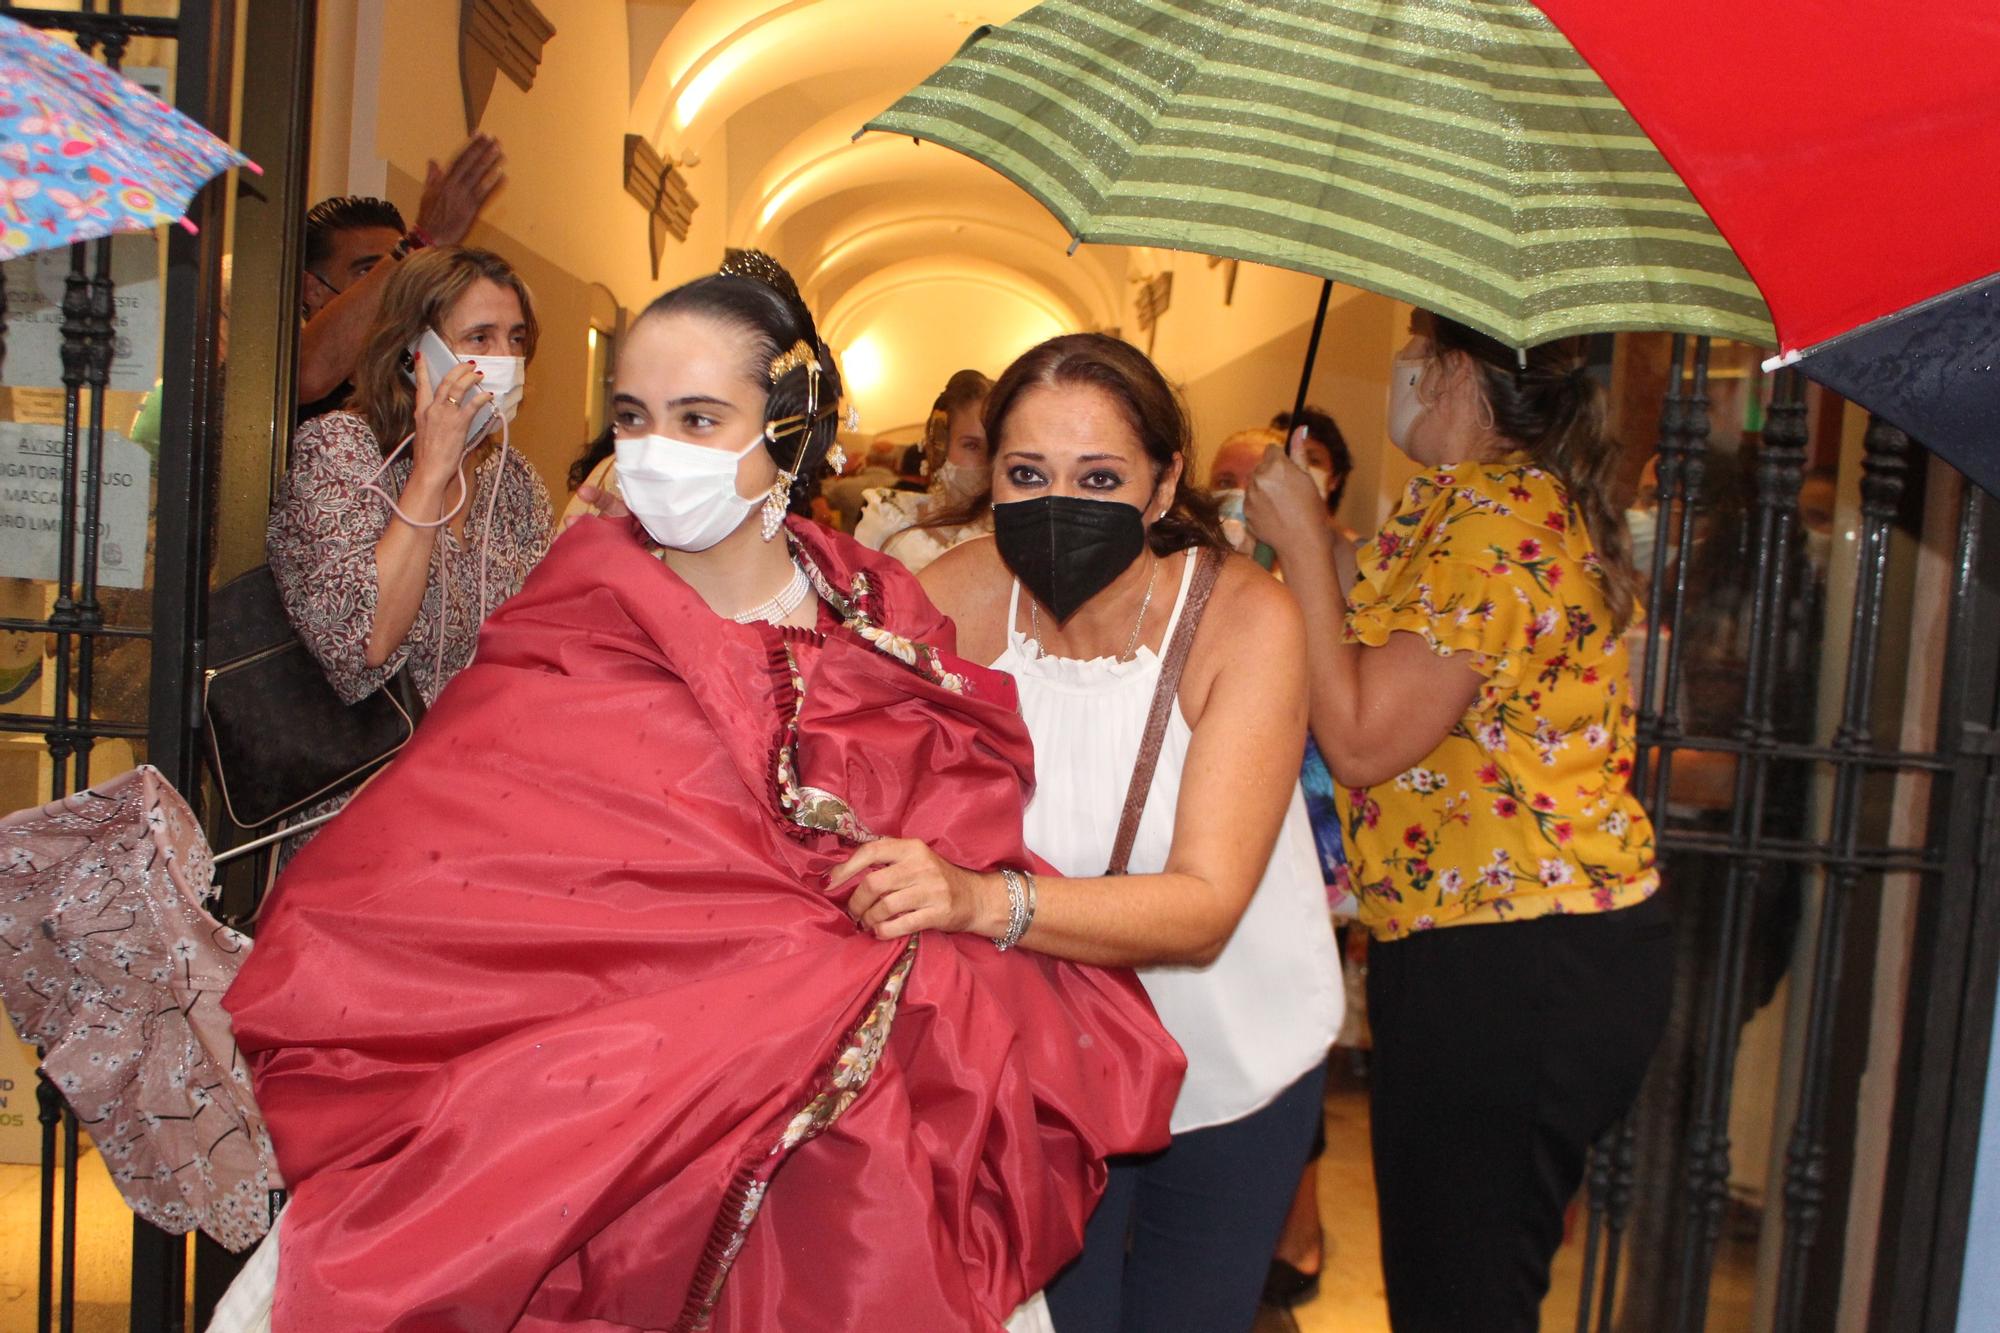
(405, 519)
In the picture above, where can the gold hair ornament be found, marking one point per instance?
(778, 500)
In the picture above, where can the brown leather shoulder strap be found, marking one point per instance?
(1208, 563)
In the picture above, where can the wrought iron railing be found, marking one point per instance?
(1766, 835)
(76, 624)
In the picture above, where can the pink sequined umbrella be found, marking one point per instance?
(110, 964)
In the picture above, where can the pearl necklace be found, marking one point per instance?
(778, 608)
(1131, 645)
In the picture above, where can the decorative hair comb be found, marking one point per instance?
(800, 354)
(757, 265)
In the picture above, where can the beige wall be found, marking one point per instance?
(1238, 363)
(388, 101)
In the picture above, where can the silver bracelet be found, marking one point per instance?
(1019, 910)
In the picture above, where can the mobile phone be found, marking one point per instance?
(437, 359)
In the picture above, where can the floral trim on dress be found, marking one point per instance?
(857, 613)
(810, 810)
(813, 809)
(836, 1088)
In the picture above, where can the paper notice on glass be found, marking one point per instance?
(35, 286)
(31, 500)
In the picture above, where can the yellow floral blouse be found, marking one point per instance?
(1525, 809)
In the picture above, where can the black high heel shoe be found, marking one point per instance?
(1286, 1286)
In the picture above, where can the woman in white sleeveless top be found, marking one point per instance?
(1221, 907)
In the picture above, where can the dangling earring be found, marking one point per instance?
(777, 503)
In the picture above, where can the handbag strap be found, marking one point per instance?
(1208, 563)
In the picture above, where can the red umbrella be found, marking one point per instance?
(1851, 156)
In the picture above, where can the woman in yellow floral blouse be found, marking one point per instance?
(1472, 697)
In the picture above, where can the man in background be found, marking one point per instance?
(348, 240)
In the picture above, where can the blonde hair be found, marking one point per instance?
(1258, 437)
(419, 293)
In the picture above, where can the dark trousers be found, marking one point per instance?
(1183, 1238)
(1501, 1052)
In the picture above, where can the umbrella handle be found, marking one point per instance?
(1312, 350)
(289, 831)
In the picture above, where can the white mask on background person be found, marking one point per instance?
(1322, 479)
(1235, 526)
(1644, 525)
(1404, 404)
(506, 378)
(956, 481)
(683, 494)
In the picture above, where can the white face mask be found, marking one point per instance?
(956, 481)
(1404, 404)
(685, 495)
(1644, 525)
(506, 378)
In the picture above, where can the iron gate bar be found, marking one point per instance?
(1794, 851)
(1860, 757)
(100, 28)
(1955, 970)
(1780, 470)
(40, 723)
(1683, 466)
(100, 631)
(1613, 1158)
(1882, 471)
(189, 421)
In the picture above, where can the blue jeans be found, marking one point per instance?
(1183, 1238)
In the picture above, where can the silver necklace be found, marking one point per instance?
(779, 607)
(1131, 645)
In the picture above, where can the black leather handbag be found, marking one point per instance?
(279, 738)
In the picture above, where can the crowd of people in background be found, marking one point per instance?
(1461, 673)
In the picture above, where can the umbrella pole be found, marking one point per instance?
(1312, 348)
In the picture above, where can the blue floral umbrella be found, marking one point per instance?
(85, 153)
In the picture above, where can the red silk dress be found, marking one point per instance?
(560, 1026)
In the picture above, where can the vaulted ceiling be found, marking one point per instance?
(919, 258)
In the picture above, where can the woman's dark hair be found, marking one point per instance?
(601, 447)
(1547, 403)
(1320, 425)
(1151, 406)
(755, 294)
(962, 390)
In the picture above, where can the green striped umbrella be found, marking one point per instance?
(1457, 154)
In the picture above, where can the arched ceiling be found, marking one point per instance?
(881, 234)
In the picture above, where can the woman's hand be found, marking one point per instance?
(604, 503)
(1283, 507)
(441, 420)
(906, 887)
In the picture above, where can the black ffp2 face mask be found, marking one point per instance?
(1066, 550)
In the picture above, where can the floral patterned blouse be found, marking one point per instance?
(1525, 809)
(321, 545)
